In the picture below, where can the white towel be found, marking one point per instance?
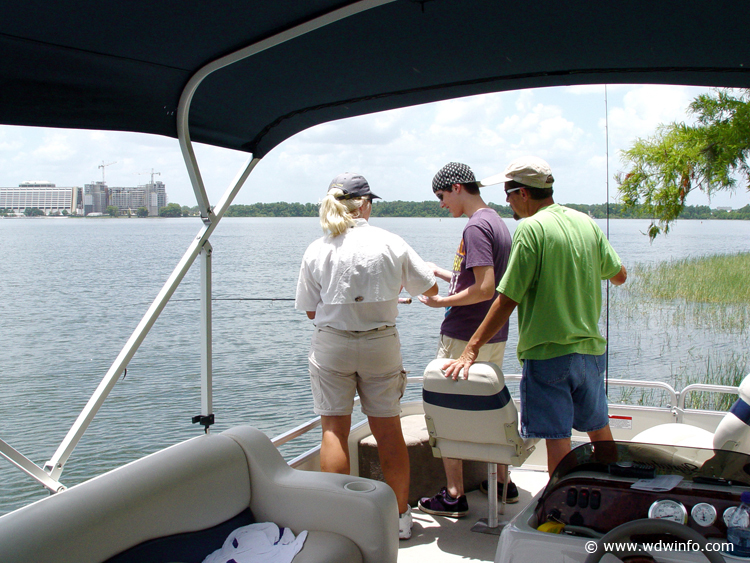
(259, 543)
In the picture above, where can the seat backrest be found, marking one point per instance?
(733, 432)
(475, 418)
(188, 487)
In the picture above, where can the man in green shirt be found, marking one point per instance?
(557, 262)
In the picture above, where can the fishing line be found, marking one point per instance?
(606, 152)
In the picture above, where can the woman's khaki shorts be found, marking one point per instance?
(369, 363)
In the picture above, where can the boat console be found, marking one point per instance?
(600, 487)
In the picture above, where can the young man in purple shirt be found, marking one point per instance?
(480, 263)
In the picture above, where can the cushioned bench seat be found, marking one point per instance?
(180, 502)
(193, 547)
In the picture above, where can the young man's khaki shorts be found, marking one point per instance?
(451, 348)
(343, 362)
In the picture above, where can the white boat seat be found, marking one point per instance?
(183, 493)
(732, 433)
(676, 434)
(473, 419)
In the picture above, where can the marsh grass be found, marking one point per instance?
(691, 315)
(718, 278)
(720, 370)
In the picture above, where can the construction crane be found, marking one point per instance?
(152, 175)
(103, 166)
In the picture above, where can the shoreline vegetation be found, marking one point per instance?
(432, 209)
(695, 306)
(429, 208)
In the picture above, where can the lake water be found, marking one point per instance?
(73, 291)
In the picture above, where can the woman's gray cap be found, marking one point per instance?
(353, 185)
(530, 171)
(452, 173)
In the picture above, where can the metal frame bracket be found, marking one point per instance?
(204, 420)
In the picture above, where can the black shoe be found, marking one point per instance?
(512, 496)
(443, 504)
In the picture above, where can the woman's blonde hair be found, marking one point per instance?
(337, 215)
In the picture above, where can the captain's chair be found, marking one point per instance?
(474, 419)
(732, 433)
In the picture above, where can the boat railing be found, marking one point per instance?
(666, 387)
(296, 432)
(676, 406)
(727, 389)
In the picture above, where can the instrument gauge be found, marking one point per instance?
(728, 514)
(671, 510)
(704, 514)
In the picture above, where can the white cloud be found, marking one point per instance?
(57, 147)
(644, 108)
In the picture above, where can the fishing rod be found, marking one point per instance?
(239, 299)
(401, 300)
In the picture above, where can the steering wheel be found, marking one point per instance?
(624, 533)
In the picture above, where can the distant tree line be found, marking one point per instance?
(279, 209)
(433, 209)
(620, 211)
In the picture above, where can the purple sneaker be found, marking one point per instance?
(443, 504)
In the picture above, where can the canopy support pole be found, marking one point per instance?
(29, 467)
(207, 396)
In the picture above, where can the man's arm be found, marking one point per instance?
(620, 277)
(482, 289)
(497, 316)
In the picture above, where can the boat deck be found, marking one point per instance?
(437, 539)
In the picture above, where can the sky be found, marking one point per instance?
(398, 151)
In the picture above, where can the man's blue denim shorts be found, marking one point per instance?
(563, 393)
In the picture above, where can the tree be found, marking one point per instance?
(171, 210)
(113, 210)
(709, 155)
(142, 212)
(33, 212)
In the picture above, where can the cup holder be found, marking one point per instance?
(360, 486)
